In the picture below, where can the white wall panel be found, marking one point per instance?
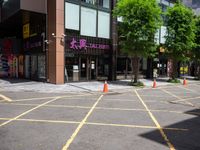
(88, 21)
(103, 24)
(71, 16)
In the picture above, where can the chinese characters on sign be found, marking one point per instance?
(83, 44)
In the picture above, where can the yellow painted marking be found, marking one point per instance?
(185, 99)
(132, 126)
(66, 146)
(156, 123)
(123, 100)
(49, 121)
(33, 99)
(40, 98)
(101, 108)
(171, 94)
(94, 123)
(5, 98)
(193, 91)
(179, 98)
(28, 111)
(123, 109)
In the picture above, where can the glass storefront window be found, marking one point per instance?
(88, 21)
(104, 3)
(27, 66)
(71, 21)
(41, 67)
(34, 67)
(93, 2)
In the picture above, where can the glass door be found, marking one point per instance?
(93, 68)
(83, 67)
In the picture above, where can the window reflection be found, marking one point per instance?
(93, 2)
(104, 3)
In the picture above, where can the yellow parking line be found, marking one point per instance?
(133, 126)
(28, 111)
(179, 98)
(185, 99)
(5, 98)
(171, 94)
(123, 109)
(33, 99)
(95, 123)
(66, 146)
(40, 98)
(156, 123)
(49, 121)
(193, 91)
(102, 108)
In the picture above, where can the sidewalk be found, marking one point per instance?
(90, 86)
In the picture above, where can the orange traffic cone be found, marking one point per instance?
(154, 83)
(105, 87)
(184, 82)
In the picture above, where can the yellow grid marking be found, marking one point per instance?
(5, 98)
(95, 123)
(28, 111)
(103, 108)
(133, 126)
(193, 91)
(66, 146)
(40, 98)
(156, 123)
(179, 98)
(185, 99)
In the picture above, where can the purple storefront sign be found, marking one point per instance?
(83, 44)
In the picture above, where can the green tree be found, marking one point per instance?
(180, 34)
(195, 55)
(141, 19)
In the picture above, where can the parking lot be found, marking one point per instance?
(138, 119)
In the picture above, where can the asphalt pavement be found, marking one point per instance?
(162, 118)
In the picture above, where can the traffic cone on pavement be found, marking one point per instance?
(184, 82)
(154, 83)
(105, 87)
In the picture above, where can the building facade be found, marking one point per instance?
(62, 41)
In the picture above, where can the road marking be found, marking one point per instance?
(94, 123)
(133, 126)
(185, 99)
(39, 98)
(66, 146)
(179, 98)
(102, 108)
(193, 91)
(156, 123)
(28, 111)
(171, 94)
(5, 98)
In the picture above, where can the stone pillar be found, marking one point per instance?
(55, 51)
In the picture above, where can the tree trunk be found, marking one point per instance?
(174, 69)
(198, 69)
(135, 67)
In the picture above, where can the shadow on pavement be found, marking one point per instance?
(182, 140)
(13, 81)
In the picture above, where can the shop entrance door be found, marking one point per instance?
(93, 72)
(83, 68)
(162, 68)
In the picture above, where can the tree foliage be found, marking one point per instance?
(196, 50)
(141, 19)
(180, 28)
(180, 34)
(195, 55)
